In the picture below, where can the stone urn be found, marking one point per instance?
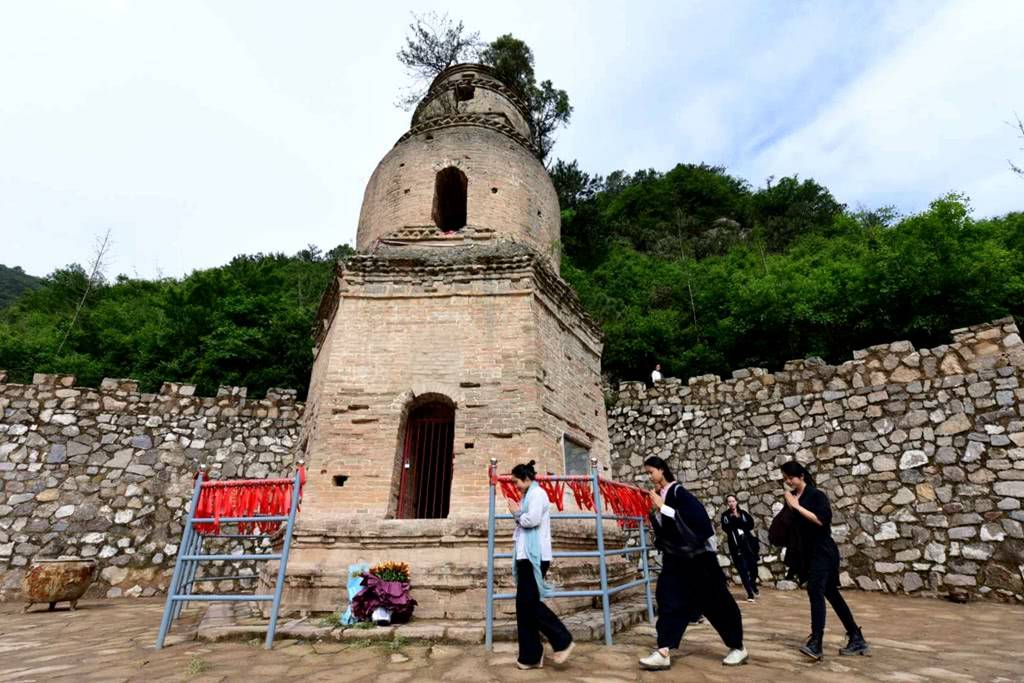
(57, 580)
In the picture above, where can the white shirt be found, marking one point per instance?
(655, 376)
(538, 514)
(665, 509)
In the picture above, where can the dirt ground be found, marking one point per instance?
(912, 639)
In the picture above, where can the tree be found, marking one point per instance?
(549, 107)
(549, 110)
(246, 323)
(786, 209)
(512, 61)
(572, 184)
(435, 42)
(13, 282)
(95, 277)
(1020, 126)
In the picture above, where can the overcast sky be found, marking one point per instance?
(199, 130)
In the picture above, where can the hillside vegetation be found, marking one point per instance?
(692, 268)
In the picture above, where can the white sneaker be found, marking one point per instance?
(525, 667)
(562, 655)
(655, 661)
(735, 658)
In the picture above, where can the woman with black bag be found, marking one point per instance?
(738, 526)
(691, 580)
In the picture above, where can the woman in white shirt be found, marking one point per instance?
(532, 540)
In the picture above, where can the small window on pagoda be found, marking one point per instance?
(450, 199)
(577, 456)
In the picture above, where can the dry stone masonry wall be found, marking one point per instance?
(920, 451)
(107, 473)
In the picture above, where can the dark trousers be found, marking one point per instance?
(746, 567)
(689, 585)
(822, 585)
(533, 618)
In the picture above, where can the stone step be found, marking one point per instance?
(238, 621)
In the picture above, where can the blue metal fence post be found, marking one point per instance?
(492, 472)
(188, 570)
(186, 537)
(283, 562)
(647, 570)
(603, 568)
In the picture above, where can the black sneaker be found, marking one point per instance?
(812, 648)
(856, 645)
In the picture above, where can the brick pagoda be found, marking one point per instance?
(448, 339)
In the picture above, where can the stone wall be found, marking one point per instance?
(920, 451)
(106, 473)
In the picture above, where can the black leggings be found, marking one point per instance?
(746, 567)
(534, 618)
(695, 585)
(822, 585)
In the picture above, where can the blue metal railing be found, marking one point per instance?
(601, 553)
(190, 555)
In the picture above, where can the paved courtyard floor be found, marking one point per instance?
(913, 639)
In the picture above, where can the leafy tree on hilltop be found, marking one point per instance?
(790, 207)
(246, 323)
(14, 281)
(512, 61)
(435, 43)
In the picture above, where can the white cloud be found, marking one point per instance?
(197, 131)
(927, 120)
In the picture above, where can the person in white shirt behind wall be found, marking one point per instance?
(532, 541)
(656, 374)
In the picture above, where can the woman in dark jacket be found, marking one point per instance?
(738, 526)
(690, 580)
(820, 560)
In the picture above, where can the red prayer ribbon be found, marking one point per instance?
(245, 498)
(622, 500)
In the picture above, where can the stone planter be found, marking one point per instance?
(60, 580)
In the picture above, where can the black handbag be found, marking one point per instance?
(689, 546)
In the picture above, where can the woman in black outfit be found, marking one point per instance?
(738, 526)
(690, 581)
(819, 565)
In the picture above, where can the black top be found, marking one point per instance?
(816, 540)
(690, 511)
(739, 531)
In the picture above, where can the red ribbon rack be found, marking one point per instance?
(258, 508)
(622, 500)
(245, 498)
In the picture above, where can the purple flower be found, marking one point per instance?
(391, 595)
